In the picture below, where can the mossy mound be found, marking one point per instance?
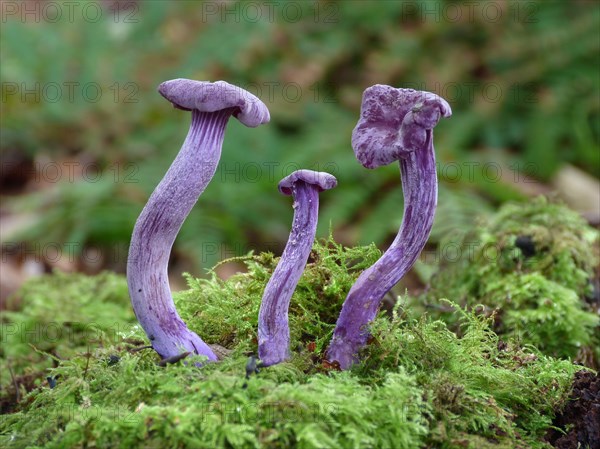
(422, 383)
(420, 386)
(56, 318)
(532, 266)
(227, 311)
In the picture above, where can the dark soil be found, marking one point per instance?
(11, 396)
(580, 418)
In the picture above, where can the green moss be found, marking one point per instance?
(420, 385)
(59, 316)
(542, 313)
(463, 382)
(137, 404)
(227, 312)
(540, 297)
(477, 384)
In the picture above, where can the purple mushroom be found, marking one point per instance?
(157, 226)
(395, 124)
(273, 328)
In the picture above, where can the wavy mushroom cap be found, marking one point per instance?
(323, 180)
(386, 114)
(211, 97)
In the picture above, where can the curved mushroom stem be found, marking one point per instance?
(157, 227)
(419, 183)
(395, 124)
(212, 104)
(273, 327)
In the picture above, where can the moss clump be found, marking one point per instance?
(226, 312)
(531, 265)
(137, 404)
(543, 313)
(58, 317)
(484, 392)
(423, 382)
(420, 384)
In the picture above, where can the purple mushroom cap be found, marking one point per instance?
(210, 97)
(324, 181)
(382, 136)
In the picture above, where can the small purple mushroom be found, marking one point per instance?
(395, 124)
(157, 226)
(273, 328)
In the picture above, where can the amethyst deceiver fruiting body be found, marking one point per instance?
(211, 104)
(395, 124)
(273, 326)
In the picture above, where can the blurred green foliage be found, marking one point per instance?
(522, 79)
